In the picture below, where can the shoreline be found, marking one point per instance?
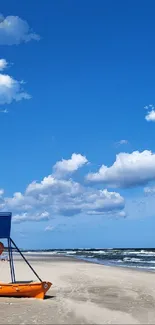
(59, 258)
(141, 259)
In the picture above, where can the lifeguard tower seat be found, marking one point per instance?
(5, 224)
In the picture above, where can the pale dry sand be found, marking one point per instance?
(82, 293)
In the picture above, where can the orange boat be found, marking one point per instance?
(29, 290)
(18, 289)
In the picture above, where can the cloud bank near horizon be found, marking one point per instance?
(60, 196)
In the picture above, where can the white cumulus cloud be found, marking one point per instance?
(150, 115)
(71, 165)
(3, 64)
(14, 30)
(23, 217)
(11, 89)
(53, 197)
(129, 169)
(149, 190)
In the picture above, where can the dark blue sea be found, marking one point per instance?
(132, 258)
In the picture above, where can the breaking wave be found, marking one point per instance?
(134, 258)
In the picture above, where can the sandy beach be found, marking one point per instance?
(82, 293)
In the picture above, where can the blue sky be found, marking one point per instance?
(77, 144)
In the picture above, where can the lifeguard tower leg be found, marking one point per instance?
(13, 268)
(11, 261)
(26, 260)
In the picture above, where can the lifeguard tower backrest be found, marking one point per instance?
(5, 224)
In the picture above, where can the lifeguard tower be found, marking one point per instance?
(15, 288)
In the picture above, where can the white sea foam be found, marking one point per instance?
(101, 252)
(69, 252)
(125, 258)
(41, 253)
(132, 259)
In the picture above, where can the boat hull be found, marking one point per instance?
(29, 290)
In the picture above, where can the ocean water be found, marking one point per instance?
(132, 258)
